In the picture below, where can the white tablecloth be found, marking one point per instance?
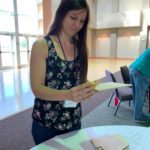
(137, 137)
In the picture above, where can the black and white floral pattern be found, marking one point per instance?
(60, 74)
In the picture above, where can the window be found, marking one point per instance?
(28, 16)
(6, 50)
(27, 30)
(7, 16)
(23, 50)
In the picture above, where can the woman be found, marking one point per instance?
(58, 72)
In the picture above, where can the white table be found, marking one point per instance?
(137, 137)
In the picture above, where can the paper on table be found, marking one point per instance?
(110, 142)
(110, 85)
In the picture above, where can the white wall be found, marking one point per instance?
(103, 47)
(104, 7)
(127, 44)
(126, 18)
(102, 43)
(127, 5)
(92, 6)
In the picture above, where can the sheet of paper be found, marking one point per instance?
(110, 142)
(110, 85)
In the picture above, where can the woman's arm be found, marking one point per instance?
(39, 54)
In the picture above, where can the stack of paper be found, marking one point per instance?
(110, 85)
(110, 142)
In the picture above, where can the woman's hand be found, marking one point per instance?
(82, 92)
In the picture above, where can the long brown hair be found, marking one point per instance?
(64, 7)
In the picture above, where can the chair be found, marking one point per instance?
(126, 78)
(125, 74)
(123, 94)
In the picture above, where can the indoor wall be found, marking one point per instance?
(120, 28)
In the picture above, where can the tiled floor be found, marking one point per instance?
(97, 66)
(15, 92)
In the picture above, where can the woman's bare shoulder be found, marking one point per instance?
(40, 43)
(40, 46)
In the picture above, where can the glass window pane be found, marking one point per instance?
(23, 43)
(6, 43)
(31, 41)
(23, 58)
(5, 58)
(29, 55)
(28, 25)
(7, 16)
(28, 16)
(7, 5)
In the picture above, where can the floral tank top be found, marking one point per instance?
(60, 75)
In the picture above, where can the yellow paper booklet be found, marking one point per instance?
(110, 142)
(110, 85)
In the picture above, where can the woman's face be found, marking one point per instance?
(74, 21)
